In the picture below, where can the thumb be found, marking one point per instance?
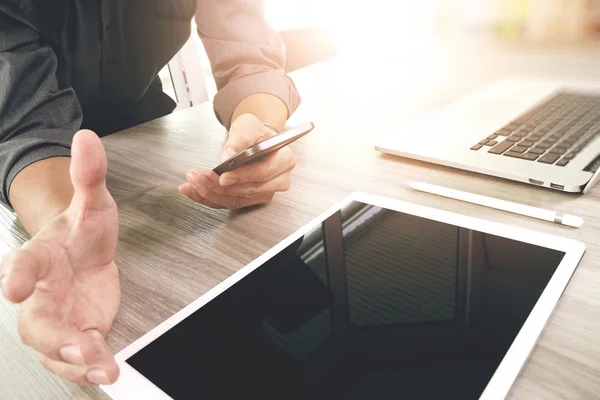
(88, 169)
(228, 152)
(245, 131)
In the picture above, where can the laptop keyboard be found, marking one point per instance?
(553, 132)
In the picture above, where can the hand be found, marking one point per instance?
(250, 184)
(66, 279)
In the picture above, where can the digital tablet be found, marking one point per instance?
(374, 299)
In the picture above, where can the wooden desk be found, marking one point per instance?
(172, 251)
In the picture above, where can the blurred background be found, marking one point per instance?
(378, 30)
(360, 28)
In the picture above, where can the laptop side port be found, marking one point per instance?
(555, 186)
(536, 182)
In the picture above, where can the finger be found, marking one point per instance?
(206, 184)
(65, 343)
(81, 374)
(22, 269)
(280, 183)
(273, 165)
(244, 132)
(232, 202)
(88, 170)
(189, 191)
(73, 373)
(196, 176)
(242, 202)
(193, 180)
(210, 181)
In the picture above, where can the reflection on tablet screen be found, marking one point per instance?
(372, 304)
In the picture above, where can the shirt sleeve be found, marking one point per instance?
(246, 55)
(38, 117)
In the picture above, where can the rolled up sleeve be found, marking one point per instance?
(38, 117)
(246, 55)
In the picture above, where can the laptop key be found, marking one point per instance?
(558, 150)
(501, 147)
(523, 156)
(549, 158)
(492, 143)
(513, 154)
(527, 143)
(476, 147)
(537, 150)
(570, 156)
(531, 156)
(484, 142)
(513, 138)
(519, 149)
(492, 137)
(562, 162)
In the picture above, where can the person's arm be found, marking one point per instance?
(70, 257)
(247, 59)
(38, 119)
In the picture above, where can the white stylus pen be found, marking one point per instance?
(528, 211)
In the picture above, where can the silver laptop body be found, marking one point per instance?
(545, 132)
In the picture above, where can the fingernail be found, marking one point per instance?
(228, 181)
(96, 334)
(227, 154)
(72, 354)
(191, 177)
(97, 377)
(204, 181)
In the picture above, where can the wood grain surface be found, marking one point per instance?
(171, 250)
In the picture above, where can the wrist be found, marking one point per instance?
(269, 109)
(41, 191)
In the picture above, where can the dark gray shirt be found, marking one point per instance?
(96, 67)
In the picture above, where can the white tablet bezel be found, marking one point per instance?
(132, 384)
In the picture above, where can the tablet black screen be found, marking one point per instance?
(372, 304)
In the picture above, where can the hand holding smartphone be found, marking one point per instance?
(263, 148)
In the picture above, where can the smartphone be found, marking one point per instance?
(263, 148)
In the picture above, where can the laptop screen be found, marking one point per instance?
(371, 304)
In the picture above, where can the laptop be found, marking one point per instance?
(543, 132)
